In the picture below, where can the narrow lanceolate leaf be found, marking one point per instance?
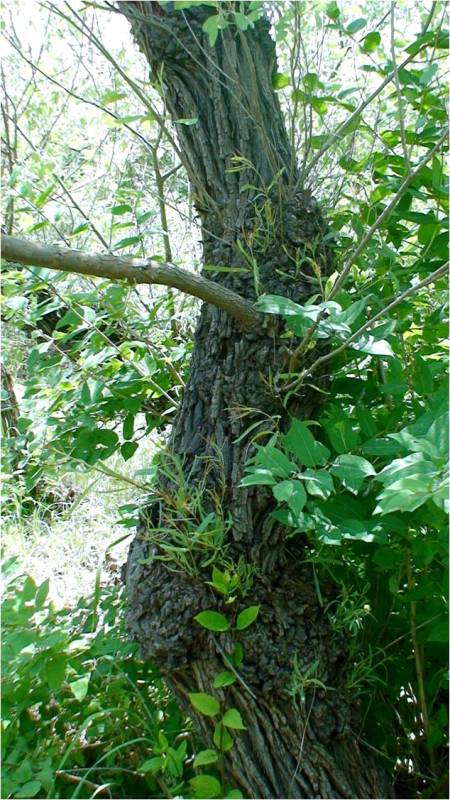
(205, 703)
(246, 617)
(212, 620)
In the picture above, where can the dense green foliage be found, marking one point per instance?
(101, 366)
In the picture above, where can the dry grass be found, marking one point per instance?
(68, 547)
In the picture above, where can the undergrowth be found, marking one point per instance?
(83, 716)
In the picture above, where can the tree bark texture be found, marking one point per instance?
(240, 164)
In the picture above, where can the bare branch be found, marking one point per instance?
(21, 251)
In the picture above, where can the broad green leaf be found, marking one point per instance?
(222, 738)
(29, 789)
(371, 42)
(291, 492)
(275, 304)
(318, 483)
(332, 10)
(341, 434)
(274, 460)
(246, 617)
(439, 633)
(352, 471)
(123, 208)
(233, 719)
(375, 347)
(205, 757)
(205, 786)
(56, 671)
(212, 620)
(224, 679)
(405, 494)
(152, 764)
(258, 476)
(413, 464)
(356, 25)
(211, 27)
(300, 441)
(280, 81)
(79, 688)
(205, 703)
(128, 450)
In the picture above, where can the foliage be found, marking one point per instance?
(81, 712)
(101, 366)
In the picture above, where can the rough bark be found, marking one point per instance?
(288, 750)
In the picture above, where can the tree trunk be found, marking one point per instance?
(255, 220)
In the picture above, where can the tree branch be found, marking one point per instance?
(21, 251)
(438, 273)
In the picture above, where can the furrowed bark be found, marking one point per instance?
(238, 157)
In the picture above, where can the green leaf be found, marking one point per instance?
(211, 27)
(319, 483)
(341, 434)
(356, 25)
(130, 241)
(405, 494)
(205, 786)
(222, 738)
(41, 594)
(247, 617)
(280, 81)
(275, 304)
(128, 450)
(111, 96)
(375, 347)
(79, 688)
(371, 42)
(233, 719)
(205, 703)
(124, 208)
(128, 426)
(332, 11)
(224, 679)
(258, 477)
(291, 492)
(439, 633)
(352, 471)
(274, 460)
(189, 121)
(152, 764)
(29, 789)
(212, 620)
(56, 671)
(300, 441)
(205, 757)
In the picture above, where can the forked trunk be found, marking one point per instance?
(256, 221)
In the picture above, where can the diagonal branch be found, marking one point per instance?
(22, 251)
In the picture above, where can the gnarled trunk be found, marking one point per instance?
(256, 222)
